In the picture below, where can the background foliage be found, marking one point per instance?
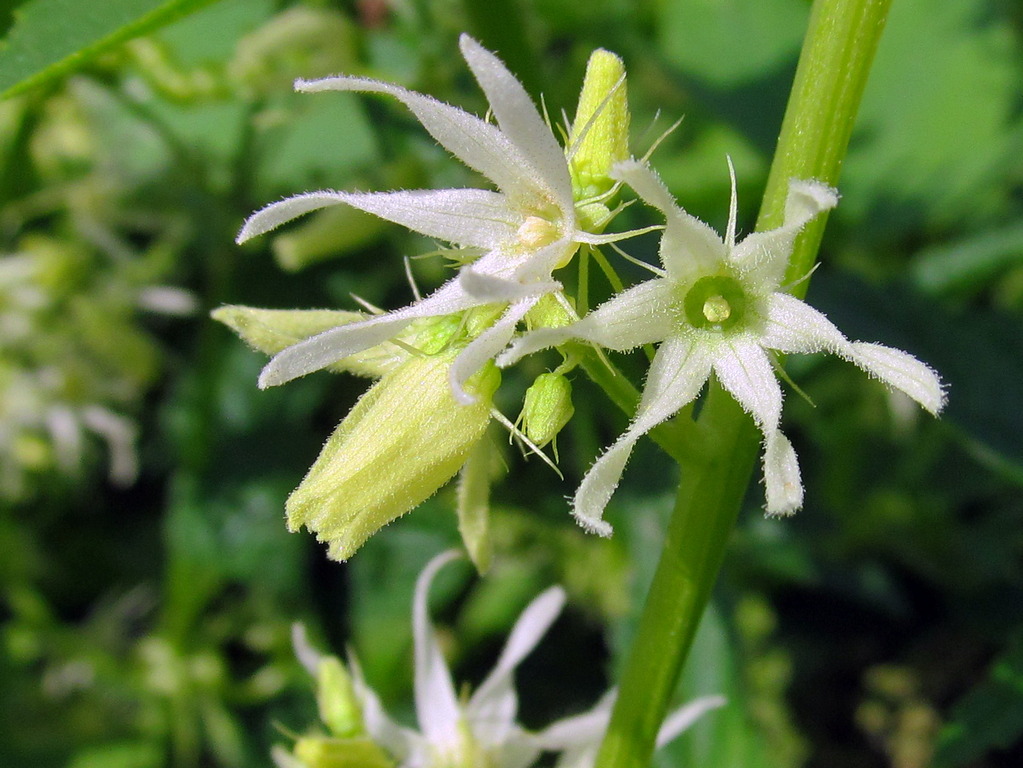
(147, 583)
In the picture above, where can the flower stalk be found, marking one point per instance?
(838, 50)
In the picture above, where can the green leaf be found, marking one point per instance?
(50, 38)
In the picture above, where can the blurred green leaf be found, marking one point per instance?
(728, 43)
(940, 122)
(969, 263)
(50, 38)
(990, 717)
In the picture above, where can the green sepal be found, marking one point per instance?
(402, 441)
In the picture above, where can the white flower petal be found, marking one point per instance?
(328, 347)
(689, 248)
(307, 656)
(676, 376)
(491, 289)
(744, 370)
(283, 211)
(901, 370)
(794, 326)
(538, 265)
(643, 314)
(485, 347)
(437, 707)
(476, 143)
(468, 217)
(578, 730)
(783, 487)
(764, 256)
(520, 121)
(401, 742)
(679, 720)
(493, 708)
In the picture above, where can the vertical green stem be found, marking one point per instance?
(833, 67)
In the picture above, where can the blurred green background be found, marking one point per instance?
(147, 582)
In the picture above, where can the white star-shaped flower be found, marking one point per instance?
(522, 232)
(481, 730)
(719, 308)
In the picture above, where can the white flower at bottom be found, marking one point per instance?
(719, 308)
(481, 731)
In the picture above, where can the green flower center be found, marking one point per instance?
(715, 303)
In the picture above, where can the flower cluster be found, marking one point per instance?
(454, 732)
(717, 307)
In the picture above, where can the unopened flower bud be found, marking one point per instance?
(547, 407)
(317, 752)
(601, 125)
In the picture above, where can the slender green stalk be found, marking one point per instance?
(833, 67)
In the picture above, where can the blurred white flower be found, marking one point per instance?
(482, 730)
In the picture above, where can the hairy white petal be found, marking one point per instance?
(538, 264)
(903, 371)
(764, 256)
(689, 248)
(643, 314)
(534, 341)
(328, 347)
(520, 121)
(283, 211)
(476, 143)
(491, 289)
(794, 326)
(744, 370)
(307, 656)
(437, 708)
(677, 374)
(783, 487)
(485, 347)
(493, 708)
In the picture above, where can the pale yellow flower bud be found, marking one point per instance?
(601, 125)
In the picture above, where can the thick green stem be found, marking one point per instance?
(839, 48)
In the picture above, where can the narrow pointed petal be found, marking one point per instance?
(745, 371)
(538, 265)
(688, 247)
(794, 326)
(307, 656)
(520, 121)
(677, 374)
(640, 315)
(493, 707)
(484, 348)
(476, 143)
(783, 486)
(491, 289)
(903, 371)
(330, 346)
(764, 256)
(283, 211)
(679, 720)
(399, 741)
(437, 707)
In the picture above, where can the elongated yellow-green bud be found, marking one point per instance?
(403, 440)
(336, 700)
(547, 407)
(601, 126)
(317, 752)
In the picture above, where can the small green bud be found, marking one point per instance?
(402, 441)
(316, 752)
(548, 313)
(336, 700)
(601, 125)
(547, 407)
